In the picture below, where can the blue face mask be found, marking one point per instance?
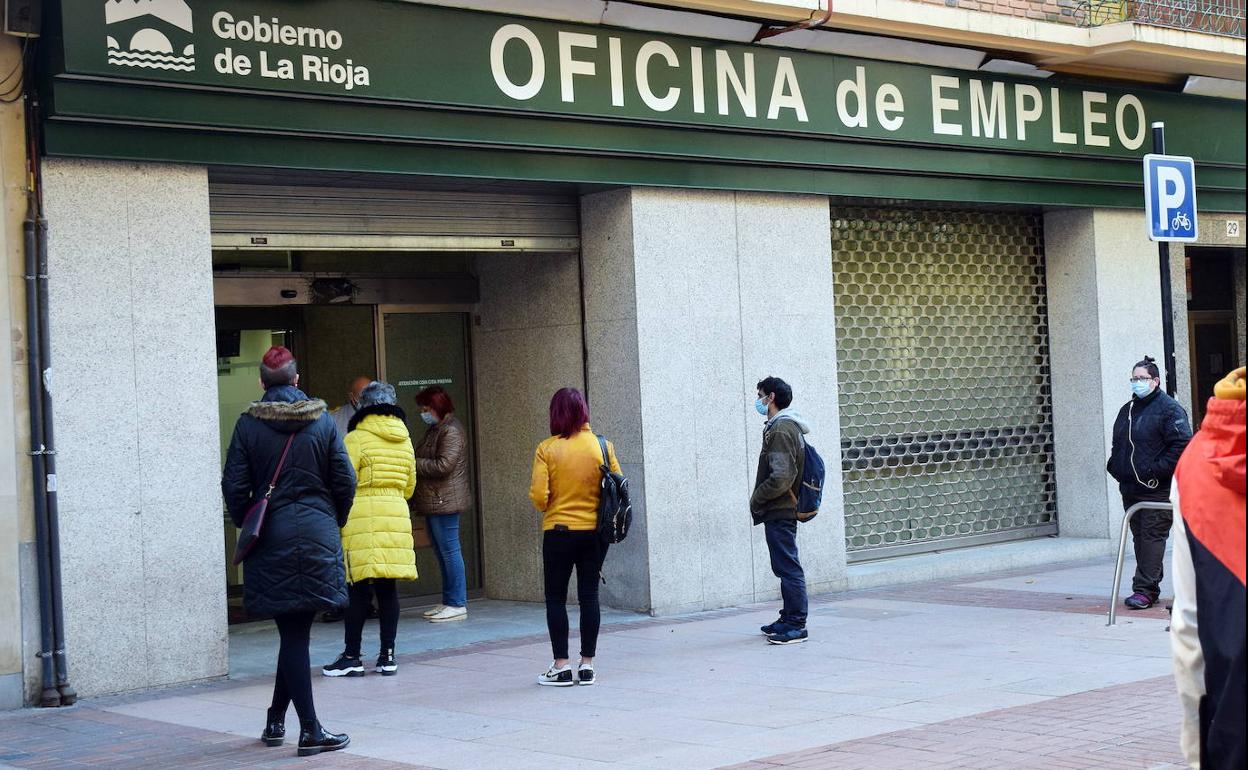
(1142, 389)
(760, 406)
(429, 417)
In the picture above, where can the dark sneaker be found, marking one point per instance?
(346, 665)
(386, 664)
(585, 674)
(557, 677)
(1138, 601)
(318, 740)
(788, 636)
(331, 616)
(774, 628)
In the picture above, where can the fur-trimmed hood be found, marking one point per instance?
(394, 431)
(287, 409)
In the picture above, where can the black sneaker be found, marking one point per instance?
(318, 740)
(346, 665)
(585, 674)
(788, 636)
(386, 664)
(774, 628)
(331, 616)
(557, 677)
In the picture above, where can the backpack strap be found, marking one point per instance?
(606, 468)
(602, 444)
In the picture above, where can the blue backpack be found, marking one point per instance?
(812, 484)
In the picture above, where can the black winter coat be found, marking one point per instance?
(1149, 435)
(297, 564)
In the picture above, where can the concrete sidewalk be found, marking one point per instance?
(1015, 669)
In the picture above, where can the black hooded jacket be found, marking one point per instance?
(297, 564)
(1149, 435)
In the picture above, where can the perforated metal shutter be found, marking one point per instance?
(943, 356)
(281, 217)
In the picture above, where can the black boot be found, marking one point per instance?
(274, 730)
(315, 739)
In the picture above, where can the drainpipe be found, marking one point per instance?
(49, 697)
(43, 447)
(51, 508)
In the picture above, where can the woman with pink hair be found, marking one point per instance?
(565, 489)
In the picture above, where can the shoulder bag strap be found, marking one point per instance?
(278, 471)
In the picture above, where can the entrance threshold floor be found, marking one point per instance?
(253, 647)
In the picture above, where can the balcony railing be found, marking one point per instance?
(1215, 17)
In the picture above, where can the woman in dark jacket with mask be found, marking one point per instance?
(295, 569)
(1150, 433)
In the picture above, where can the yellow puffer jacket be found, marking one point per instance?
(377, 540)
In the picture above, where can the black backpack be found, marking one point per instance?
(615, 512)
(813, 475)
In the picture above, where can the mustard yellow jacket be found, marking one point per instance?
(377, 540)
(566, 478)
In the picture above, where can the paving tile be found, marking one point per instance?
(991, 673)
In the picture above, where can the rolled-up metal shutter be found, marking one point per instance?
(943, 364)
(288, 217)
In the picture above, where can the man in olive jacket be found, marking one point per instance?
(774, 504)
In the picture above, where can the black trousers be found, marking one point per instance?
(1149, 530)
(293, 682)
(387, 608)
(563, 551)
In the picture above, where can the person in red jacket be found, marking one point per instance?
(1207, 625)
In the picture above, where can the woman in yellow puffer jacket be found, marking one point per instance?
(377, 540)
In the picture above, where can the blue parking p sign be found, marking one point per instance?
(1170, 197)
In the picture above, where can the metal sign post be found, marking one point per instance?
(1163, 261)
(1170, 211)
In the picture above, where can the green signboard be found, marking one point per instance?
(379, 70)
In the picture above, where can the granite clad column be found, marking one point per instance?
(691, 297)
(135, 388)
(1104, 315)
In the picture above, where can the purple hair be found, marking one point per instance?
(568, 412)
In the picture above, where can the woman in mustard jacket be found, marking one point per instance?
(565, 488)
(377, 539)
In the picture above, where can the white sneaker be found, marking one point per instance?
(434, 610)
(557, 677)
(447, 614)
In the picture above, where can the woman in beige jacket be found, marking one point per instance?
(442, 495)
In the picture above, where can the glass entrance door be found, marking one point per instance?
(419, 350)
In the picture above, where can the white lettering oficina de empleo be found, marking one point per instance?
(736, 91)
(258, 30)
(988, 104)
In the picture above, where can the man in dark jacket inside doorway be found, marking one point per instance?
(1150, 433)
(774, 504)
